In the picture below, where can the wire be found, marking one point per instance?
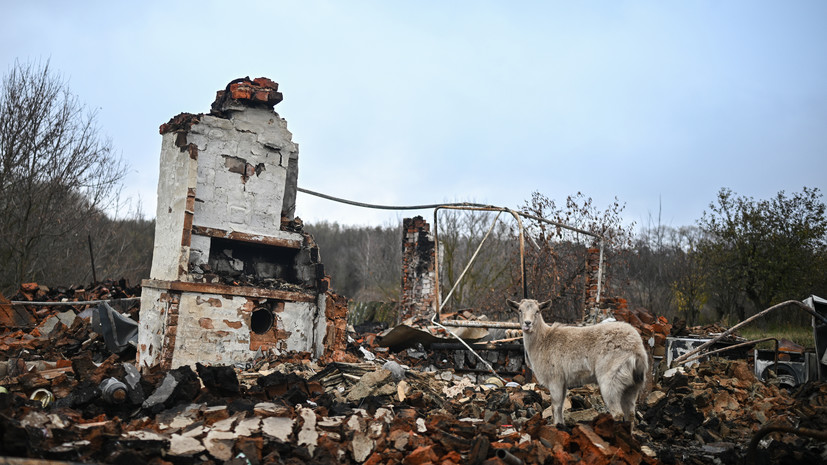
(389, 207)
(438, 205)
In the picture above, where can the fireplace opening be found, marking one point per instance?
(246, 263)
(261, 320)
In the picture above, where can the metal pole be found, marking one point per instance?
(473, 257)
(717, 351)
(481, 324)
(469, 207)
(92, 256)
(599, 273)
(70, 303)
(726, 333)
(570, 228)
(564, 226)
(465, 206)
(436, 265)
(522, 252)
(462, 341)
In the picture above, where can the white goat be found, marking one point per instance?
(562, 357)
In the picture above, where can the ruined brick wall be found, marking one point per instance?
(592, 272)
(595, 311)
(419, 284)
(335, 340)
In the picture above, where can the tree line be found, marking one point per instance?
(59, 178)
(742, 256)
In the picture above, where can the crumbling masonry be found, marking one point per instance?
(419, 284)
(232, 271)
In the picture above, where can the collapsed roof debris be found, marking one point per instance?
(409, 407)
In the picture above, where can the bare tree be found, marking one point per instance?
(56, 171)
(556, 261)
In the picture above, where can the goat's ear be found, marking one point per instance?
(513, 305)
(545, 305)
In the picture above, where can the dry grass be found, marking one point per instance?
(802, 335)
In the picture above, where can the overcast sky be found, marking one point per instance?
(421, 102)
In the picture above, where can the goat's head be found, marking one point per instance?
(529, 309)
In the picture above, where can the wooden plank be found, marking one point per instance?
(223, 289)
(189, 212)
(246, 237)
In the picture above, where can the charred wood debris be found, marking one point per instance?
(70, 396)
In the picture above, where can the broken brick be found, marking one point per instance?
(420, 456)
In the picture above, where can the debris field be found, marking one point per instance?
(67, 397)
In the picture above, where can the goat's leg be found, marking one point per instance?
(628, 402)
(611, 388)
(558, 397)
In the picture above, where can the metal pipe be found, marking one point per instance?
(92, 256)
(561, 225)
(522, 253)
(437, 305)
(428, 206)
(578, 230)
(508, 457)
(726, 333)
(481, 324)
(465, 206)
(76, 302)
(478, 346)
(383, 207)
(29, 461)
(472, 207)
(484, 361)
(599, 273)
(470, 261)
(716, 351)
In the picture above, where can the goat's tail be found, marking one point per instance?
(641, 365)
